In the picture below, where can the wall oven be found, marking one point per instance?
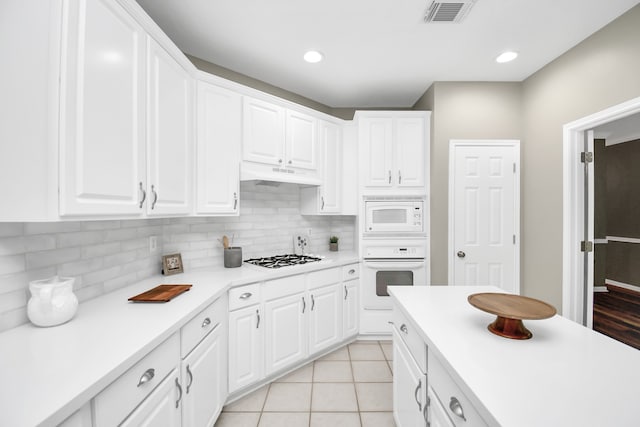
(391, 264)
(393, 216)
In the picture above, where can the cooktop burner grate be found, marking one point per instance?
(282, 260)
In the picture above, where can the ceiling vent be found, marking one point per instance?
(448, 11)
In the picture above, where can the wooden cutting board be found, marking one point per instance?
(161, 293)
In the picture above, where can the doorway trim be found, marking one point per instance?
(573, 204)
(515, 143)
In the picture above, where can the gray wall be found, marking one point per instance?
(599, 72)
(463, 111)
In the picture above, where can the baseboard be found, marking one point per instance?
(627, 287)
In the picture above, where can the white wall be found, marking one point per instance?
(107, 255)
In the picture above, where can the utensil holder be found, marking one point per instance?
(233, 257)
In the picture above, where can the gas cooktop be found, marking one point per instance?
(282, 260)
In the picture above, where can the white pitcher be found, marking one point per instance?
(52, 301)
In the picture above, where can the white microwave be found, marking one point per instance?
(393, 216)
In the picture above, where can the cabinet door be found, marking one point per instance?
(409, 387)
(169, 134)
(301, 136)
(263, 132)
(350, 308)
(245, 347)
(331, 190)
(285, 332)
(161, 408)
(205, 380)
(218, 150)
(410, 157)
(377, 148)
(102, 113)
(325, 317)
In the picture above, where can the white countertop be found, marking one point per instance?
(565, 375)
(46, 374)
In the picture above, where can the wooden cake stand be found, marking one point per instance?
(511, 310)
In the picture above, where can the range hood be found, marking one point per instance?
(258, 172)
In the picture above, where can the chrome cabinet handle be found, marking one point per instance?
(180, 395)
(322, 207)
(147, 376)
(426, 413)
(206, 322)
(258, 316)
(404, 329)
(190, 378)
(155, 197)
(352, 271)
(456, 407)
(346, 293)
(389, 177)
(304, 305)
(246, 295)
(399, 177)
(235, 201)
(415, 395)
(461, 254)
(144, 195)
(313, 302)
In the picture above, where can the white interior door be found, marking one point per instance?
(484, 212)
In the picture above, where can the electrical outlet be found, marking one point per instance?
(153, 244)
(308, 231)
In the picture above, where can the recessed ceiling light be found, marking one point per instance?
(313, 56)
(506, 57)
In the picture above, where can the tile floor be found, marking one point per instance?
(351, 387)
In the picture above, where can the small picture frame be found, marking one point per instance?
(172, 264)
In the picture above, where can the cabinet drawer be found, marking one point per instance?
(326, 277)
(203, 323)
(409, 334)
(244, 296)
(451, 396)
(286, 286)
(114, 403)
(351, 271)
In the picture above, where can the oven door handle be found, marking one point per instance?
(394, 265)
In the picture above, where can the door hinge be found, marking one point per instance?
(586, 157)
(586, 246)
(514, 168)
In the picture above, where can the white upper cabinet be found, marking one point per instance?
(102, 141)
(169, 134)
(277, 136)
(327, 198)
(395, 150)
(301, 135)
(263, 132)
(218, 150)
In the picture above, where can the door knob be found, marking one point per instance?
(461, 254)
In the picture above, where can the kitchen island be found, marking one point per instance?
(565, 375)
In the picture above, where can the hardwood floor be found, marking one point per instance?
(617, 314)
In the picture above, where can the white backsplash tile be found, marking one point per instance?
(107, 255)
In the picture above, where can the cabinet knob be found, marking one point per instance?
(279, 160)
(246, 295)
(206, 322)
(289, 161)
(461, 254)
(352, 271)
(456, 407)
(147, 376)
(404, 329)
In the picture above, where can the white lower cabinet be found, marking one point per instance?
(325, 317)
(204, 380)
(246, 347)
(285, 332)
(409, 387)
(436, 413)
(162, 407)
(350, 308)
(80, 418)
